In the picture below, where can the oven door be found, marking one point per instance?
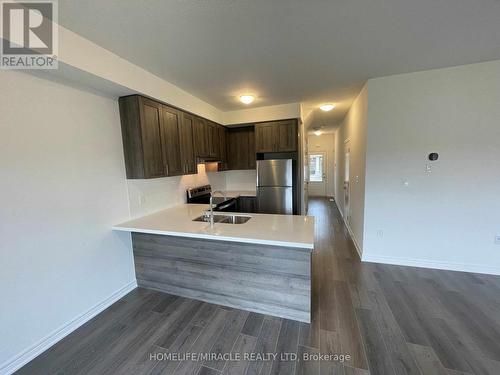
(228, 206)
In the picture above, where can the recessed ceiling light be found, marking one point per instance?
(317, 130)
(327, 107)
(247, 99)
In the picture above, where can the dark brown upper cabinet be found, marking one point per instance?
(187, 144)
(222, 147)
(202, 142)
(157, 139)
(241, 148)
(140, 120)
(161, 141)
(213, 140)
(252, 162)
(170, 126)
(265, 137)
(276, 136)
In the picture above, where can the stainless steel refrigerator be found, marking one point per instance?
(275, 186)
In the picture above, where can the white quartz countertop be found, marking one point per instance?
(279, 230)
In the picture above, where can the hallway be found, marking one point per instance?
(387, 319)
(399, 320)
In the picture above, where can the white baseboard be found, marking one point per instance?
(32, 352)
(351, 233)
(411, 262)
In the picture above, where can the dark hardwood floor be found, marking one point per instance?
(388, 319)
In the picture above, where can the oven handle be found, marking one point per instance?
(227, 205)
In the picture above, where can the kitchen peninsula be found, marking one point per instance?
(262, 265)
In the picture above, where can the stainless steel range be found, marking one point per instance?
(201, 195)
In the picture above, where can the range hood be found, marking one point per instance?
(211, 164)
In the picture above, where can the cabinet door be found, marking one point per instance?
(252, 163)
(213, 139)
(201, 141)
(241, 148)
(170, 136)
(247, 204)
(187, 147)
(266, 137)
(222, 147)
(232, 149)
(287, 135)
(151, 114)
(238, 149)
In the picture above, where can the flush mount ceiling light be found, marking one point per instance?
(247, 99)
(317, 131)
(327, 107)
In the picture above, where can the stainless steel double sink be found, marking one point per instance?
(224, 219)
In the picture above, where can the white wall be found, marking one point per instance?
(148, 196)
(241, 180)
(268, 113)
(353, 129)
(302, 157)
(83, 61)
(84, 55)
(62, 187)
(447, 218)
(324, 143)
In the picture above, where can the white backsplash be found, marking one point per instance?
(148, 196)
(241, 180)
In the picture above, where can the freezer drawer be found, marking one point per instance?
(275, 200)
(274, 172)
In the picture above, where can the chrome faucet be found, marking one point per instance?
(212, 193)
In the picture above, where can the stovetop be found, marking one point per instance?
(201, 194)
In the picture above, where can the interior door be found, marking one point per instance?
(317, 174)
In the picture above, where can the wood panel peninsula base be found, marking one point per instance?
(267, 279)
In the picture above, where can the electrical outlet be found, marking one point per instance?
(497, 240)
(380, 233)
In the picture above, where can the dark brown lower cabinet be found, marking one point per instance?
(247, 204)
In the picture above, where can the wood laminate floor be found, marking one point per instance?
(388, 319)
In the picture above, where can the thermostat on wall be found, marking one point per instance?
(433, 156)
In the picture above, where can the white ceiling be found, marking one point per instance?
(309, 51)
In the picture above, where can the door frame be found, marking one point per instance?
(347, 182)
(325, 175)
